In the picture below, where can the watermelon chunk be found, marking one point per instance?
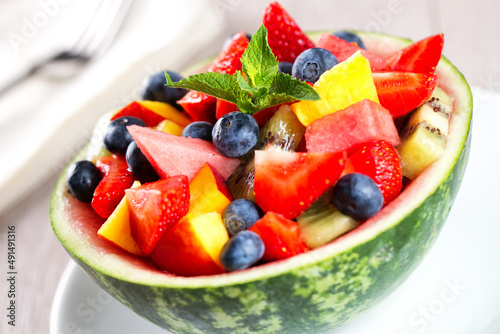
(172, 155)
(346, 129)
(343, 50)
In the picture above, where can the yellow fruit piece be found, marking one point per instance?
(346, 83)
(167, 111)
(208, 192)
(170, 127)
(116, 229)
(210, 231)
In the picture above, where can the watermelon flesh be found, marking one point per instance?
(332, 284)
(344, 130)
(172, 155)
(343, 50)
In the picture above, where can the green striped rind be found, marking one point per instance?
(310, 293)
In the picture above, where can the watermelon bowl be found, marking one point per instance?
(314, 292)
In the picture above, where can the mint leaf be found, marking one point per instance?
(257, 86)
(285, 89)
(255, 92)
(285, 84)
(258, 61)
(219, 85)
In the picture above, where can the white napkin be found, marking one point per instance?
(43, 124)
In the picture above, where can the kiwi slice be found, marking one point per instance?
(282, 132)
(322, 222)
(240, 182)
(424, 136)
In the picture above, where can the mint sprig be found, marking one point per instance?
(257, 86)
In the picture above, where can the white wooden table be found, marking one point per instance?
(472, 36)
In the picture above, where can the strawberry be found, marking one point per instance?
(380, 161)
(202, 107)
(229, 59)
(401, 92)
(343, 49)
(281, 237)
(116, 178)
(289, 182)
(155, 207)
(199, 106)
(224, 107)
(420, 57)
(285, 37)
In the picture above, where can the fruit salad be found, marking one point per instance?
(284, 144)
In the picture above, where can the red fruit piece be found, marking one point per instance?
(229, 59)
(224, 108)
(420, 57)
(401, 92)
(289, 182)
(155, 207)
(284, 36)
(202, 107)
(135, 109)
(346, 129)
(380, 161)
(281, 237)
(343, 50)
(110, 191)
(173, 155)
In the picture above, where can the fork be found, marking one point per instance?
(95, 39)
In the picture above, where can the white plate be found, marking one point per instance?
(455, 290)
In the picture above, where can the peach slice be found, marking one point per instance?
(209, 192)
(116, 229)
(192, 246)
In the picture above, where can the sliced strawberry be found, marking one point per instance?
(224, 108)
(401, 92)
(135, 109)
(229, 59)
(420, 57)
(110, 191)
(155, 207)
(380, 161)
(285, 37)
(199, 106)
(343, 49)
(281, 237)
(202, 107)
(289, 182)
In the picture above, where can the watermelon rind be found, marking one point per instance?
(314, 292)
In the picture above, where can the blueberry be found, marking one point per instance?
(242, 251)
(235, 134)
(117, 137)
(285, 67)
(240, 215)
(311, 63)
(139, 164)
(356, 195)
(82, 179)
(154, 89)
(350, 37)
(201, 130)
